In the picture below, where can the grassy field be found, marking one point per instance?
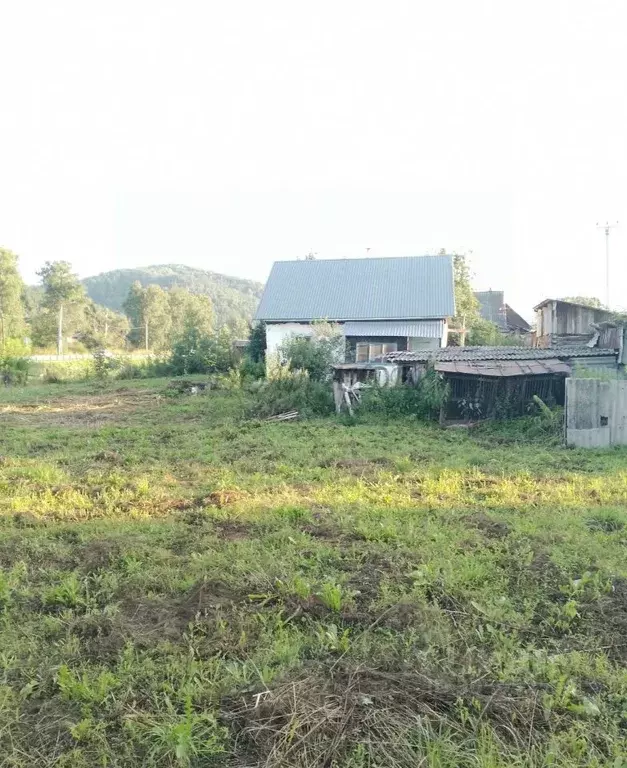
(181, 585)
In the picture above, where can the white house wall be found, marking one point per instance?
(278, 333)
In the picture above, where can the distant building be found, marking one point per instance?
(497, 311)
(564, 322)
(382, 305)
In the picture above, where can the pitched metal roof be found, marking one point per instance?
(492, 307)
(499, 353)
(410, 288)
(430, 329)
(500, 368)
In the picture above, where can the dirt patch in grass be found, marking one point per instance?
(230, 530)
(97, 555)
(492, 529)
(150, 620)
(87, 411)
(610, 613)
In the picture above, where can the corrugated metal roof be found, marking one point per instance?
(499, 353)
(492, 307)
(411, 288)
(501, 368)
(430, 329)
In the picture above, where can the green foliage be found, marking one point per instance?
(484, 333)
(424, 400)
(148, 311)
(63, 304)
(196, 352)
(467, 307)
(315, 354)
(61, 286)
(293, 391)
(12, 322)
(190, 309)
(588, 301)
(249, 369)
(256, 350)
(234, 300)
(104, 364)
(103, 328)
(165, 316)
(14, 370)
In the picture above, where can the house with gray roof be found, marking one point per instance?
(494, 308)
(382, 305)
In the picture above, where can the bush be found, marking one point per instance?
(70, 370)
(293, 392)
(195, 352)
(143, 368)
(14, 370)
(315, 354)
(251, 370)
(425, 400)
(104, 364)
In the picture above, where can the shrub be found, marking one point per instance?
(69, 370)
(196, 352)
(314, 354)
(14, 370)
(249, 369)
(104, 364)
(293, 391)
(425, 400)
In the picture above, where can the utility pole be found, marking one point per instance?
(146, 328)
(60, 332)
(606, 228)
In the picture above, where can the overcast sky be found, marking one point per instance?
(225, 135)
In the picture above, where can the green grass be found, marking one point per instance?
(182, 586)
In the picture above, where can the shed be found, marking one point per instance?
(564, 322)
(501, 381)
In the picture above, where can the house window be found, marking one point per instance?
(367, 351)
(361, 354)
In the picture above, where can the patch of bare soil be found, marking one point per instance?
(610, 615)
(491, 528)
(85, 411)
(148, 620)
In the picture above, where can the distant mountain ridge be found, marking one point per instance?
(234, 299)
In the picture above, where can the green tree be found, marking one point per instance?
(198, 352)
(134, 309)
(64, 297)
(189, 308)
(148, 311)
(588, 301)
(467, 307)
(257, 343)
(104, 328)
(11, 298)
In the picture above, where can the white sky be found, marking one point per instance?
(226, 135)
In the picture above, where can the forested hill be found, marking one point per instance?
(234, 299)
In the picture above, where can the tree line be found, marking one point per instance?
(58, 312)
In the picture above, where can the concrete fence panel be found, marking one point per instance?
(596, 413)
